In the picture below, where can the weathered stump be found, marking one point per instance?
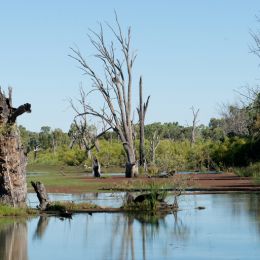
(13, 188)
(131, 170)
(41, 194)
(96, 168)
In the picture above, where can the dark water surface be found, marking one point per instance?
(229, 228)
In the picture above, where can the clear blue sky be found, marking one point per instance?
(189, 53)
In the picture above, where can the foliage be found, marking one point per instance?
(231, 141)
(253, 170)
(155, 195)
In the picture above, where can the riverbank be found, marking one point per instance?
(76, 180)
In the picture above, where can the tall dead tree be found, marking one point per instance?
(142, 112)
(13, 188)
(114, 88)
(195, 121)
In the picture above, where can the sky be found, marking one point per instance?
(190, 53)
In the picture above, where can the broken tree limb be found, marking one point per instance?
(26, 108)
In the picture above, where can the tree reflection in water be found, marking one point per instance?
(41, 227)
(13, 240)
(242, 204)
(126, 232)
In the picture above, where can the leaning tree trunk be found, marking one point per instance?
(41, 193)
(13, 188)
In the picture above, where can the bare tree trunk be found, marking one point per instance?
(194, 125)
(41, 194)
(142, 112)
(131, 166)
(35, 152)
(96, 168)
(153, 145)
(114, 88)
(13, 188)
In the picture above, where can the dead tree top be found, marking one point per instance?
(8, 113)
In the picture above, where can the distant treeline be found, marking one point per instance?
(230, 141)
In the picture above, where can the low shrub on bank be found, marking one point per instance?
(253, 170)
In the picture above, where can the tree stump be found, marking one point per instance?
(13, 188)
(96, 168)
(131, 170)
(41, 194)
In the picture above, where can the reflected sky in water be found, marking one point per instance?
(229, 228)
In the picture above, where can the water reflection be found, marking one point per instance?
(131, 229)
(41, 227)
(240, 205)
(13, 240)
(228, 228)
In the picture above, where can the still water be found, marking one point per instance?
(229, 228)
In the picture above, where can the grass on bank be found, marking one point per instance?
(8, 211)
(73, 179)
(58, 178)
(70, 206)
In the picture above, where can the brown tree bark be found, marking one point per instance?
(13, 188)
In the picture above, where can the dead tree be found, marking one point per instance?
(114, 88)
(13, 188)
(96, 168)
(154, 142)
(82, 133)
(195, 121)
(142, 112)
(41, 193)
(236, 120)
(36, 149)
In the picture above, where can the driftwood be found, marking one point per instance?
(41, 194)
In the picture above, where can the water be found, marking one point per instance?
(114, 199)
(229, 228)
